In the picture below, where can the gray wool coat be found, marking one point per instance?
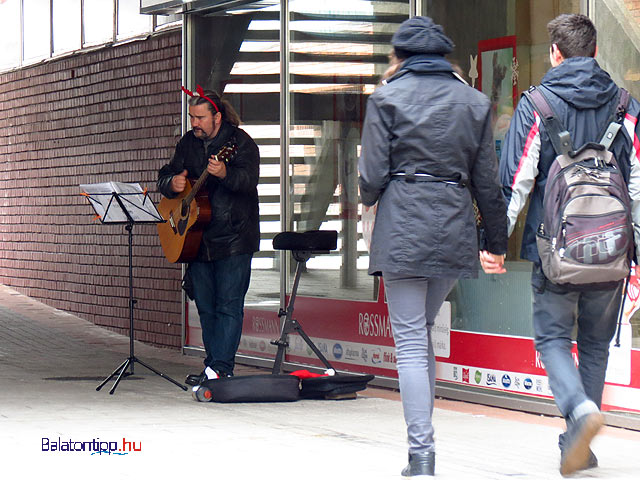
(425, 120)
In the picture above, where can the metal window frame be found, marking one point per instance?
(114, 29)
(21, 59)
(285, 131)
(114, 25)
(82, 24)
(50, 28)
(286, 217)
(186, 59)
(21, 43)
(415, 8)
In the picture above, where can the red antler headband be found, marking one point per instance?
(200, 93)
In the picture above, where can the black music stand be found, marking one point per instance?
(128, 204)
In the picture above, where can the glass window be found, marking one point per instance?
(238, 55)
(618, 55)
(67, 24)
(162, 20)
(339, 49)
(501, 56)
(10, 37)
(37, 29)
(98, 21)
(618, 52)
(130, 21)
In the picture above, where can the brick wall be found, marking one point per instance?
(108, 114)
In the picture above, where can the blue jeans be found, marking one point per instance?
(413, 304)
(219, 288)
(556, 311)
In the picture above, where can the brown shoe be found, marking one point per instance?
(576, 442)
(593, 460)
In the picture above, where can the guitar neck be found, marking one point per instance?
(196, 186)
(222, 156)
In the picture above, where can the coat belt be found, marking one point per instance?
(411, 177)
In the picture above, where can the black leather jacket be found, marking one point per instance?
(234, 227)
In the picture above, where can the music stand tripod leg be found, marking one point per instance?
(123, 373)
(166, 377)
(131, 360)
(118, 371)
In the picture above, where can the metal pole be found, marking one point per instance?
(132, 302)
(415, 8)
(186, 60)
(285, 210)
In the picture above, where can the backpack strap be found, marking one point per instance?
(616, 119)
(559, 136)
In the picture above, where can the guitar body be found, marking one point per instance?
(181, 234)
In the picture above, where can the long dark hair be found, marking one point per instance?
(228, 112)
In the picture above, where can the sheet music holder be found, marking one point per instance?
(125, 203)
(116, 202)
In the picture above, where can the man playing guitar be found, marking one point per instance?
(225, 160)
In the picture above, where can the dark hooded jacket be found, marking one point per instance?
(426, 120)
(583, 97)
(234, 226)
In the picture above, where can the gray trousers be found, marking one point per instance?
(556, 311)
(413, 305)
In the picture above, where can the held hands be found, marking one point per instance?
(178, 182)
(492, 263)
(216, 167)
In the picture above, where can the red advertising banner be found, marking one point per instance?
(356, 336)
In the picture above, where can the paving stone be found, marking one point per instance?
(51, 362)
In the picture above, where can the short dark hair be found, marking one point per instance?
(224, 107)
(574, 34)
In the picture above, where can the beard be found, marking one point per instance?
(198, 132)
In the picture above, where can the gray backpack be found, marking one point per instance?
(586, 236)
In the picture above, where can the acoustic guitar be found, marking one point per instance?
(187, 215)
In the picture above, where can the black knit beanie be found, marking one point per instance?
(420, 35)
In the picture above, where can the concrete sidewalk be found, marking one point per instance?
(51, 362)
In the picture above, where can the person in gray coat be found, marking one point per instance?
(427, 152)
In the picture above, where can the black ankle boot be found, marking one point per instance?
(420, 465)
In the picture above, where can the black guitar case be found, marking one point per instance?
(335, 387)
(249, 388)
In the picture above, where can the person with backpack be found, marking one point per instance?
(573, 142)
(427, 152)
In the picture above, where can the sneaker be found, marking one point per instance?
(221, 374)
(421, 465)
(575, 455)
(593, 460)
(207, 374)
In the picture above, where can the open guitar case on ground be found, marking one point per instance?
(336, 387)
(277, 387)
(249, 388)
